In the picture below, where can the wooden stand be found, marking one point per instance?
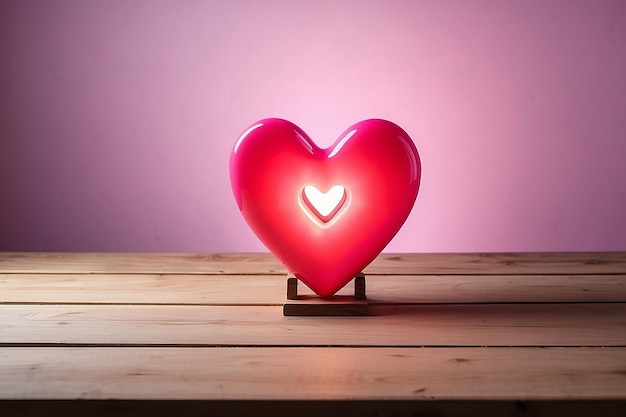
(337, 305)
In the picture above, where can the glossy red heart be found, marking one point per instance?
(325, 213)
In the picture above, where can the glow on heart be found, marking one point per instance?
(325, 213)
(324, 207)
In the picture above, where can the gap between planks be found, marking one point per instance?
(270, 346)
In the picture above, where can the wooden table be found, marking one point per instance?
(189, 334)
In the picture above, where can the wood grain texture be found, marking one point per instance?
(312, 373)
(394, 325)
(264, 263)
(204, 334)
(271, 289)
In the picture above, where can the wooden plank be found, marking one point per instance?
(270, 289)
(410, 325)
(264, 263)
(142, 289)
(139, 263)
(313, 373)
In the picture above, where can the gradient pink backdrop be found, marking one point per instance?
(117, 117)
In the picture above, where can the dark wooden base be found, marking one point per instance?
(337, 305)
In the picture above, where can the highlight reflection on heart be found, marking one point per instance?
(325, 213)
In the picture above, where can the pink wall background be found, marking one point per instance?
(117, 117)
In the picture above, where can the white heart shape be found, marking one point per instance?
(324, 203)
